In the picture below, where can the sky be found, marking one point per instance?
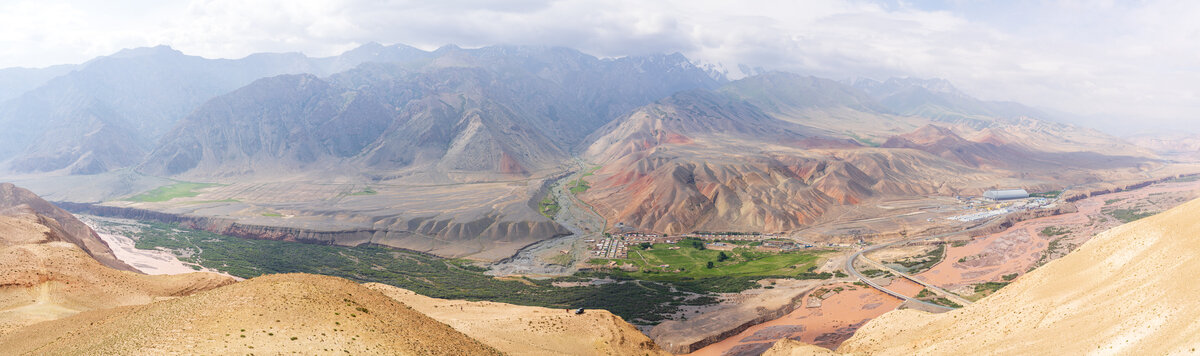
(1123, 66)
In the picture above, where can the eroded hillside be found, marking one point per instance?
(45, 275)
(1128, 290)
(779, 152)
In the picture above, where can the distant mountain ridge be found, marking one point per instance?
(109, 112)
(506, 110)
(449, 151)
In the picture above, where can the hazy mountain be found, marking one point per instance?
(17, 81)
(110, 111)
(939, 100)
(786, 92)
(503, 109)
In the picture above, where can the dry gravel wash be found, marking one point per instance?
(573, 215)
(1129, 290)
(286, 313)
(522, 330)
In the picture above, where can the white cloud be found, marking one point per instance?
(1131, 60)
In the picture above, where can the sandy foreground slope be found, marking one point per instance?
(522, 330)
(1130, 290)
(15, 199)
(284, 313)
(44, 276)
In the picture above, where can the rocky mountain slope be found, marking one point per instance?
(17, 81)
(938, 99)
(494, 110)
(1126, 291)
(45, 275)
(765, 154)
(19, 201)
(109, 112)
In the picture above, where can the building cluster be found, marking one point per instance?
(608, 247)
(1000, 202)
(1006, 194)
(617, 245)
(729, 236)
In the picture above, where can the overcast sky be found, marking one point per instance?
(1120, 61)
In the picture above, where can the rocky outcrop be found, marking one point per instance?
(50, 269)
(71, 229)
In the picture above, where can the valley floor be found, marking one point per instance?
(824, 313)
(971, 269)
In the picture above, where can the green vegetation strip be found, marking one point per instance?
(923, 262)
(1051, 231)
(1049, 195)
(690, 263)
(168, 192)
(424, 274)
(548, 207)
(579, 186)
(1127, 215)
(989, 287)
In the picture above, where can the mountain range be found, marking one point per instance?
(448, 151)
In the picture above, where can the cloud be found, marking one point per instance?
(1099, 58)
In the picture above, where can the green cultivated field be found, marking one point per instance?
(742, 261)
(579, 185)
(548, 207)
(689, 265)
(168, 192)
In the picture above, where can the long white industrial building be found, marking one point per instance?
(1006, 194)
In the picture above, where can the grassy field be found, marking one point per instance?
(1127, 215)
(548, 207)
(1055, 231)
(168, 192)
(689, 265)
(985, 289)
(1049, 195)
(645, 301)
(579, 185)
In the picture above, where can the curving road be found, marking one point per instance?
(854, 257)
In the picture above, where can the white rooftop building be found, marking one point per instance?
(1006, 194)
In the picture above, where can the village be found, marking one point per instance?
(617, 245)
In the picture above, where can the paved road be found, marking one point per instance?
(936, 290)
(854, 272)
